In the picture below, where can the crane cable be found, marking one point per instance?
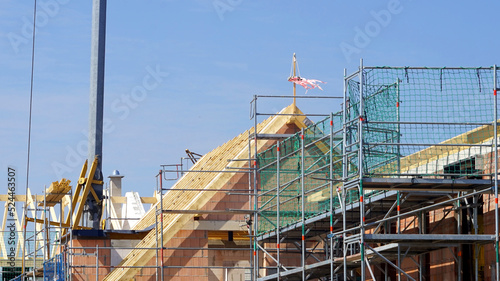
(29, 132)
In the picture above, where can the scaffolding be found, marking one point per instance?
(210, 201)
(40, 240)
(405, 171)
(211, 195)
(399, 183)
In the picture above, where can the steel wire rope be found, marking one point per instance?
(25, 211)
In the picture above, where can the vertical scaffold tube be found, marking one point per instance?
(70, 251)
(45, 232)
(250, 203)
(35, 238)
(278, 153)
(360, 169)
(344, 174)
(161, 227)
(255, 215)
(156, 230)
(398, 228)
(156, 236)
(398, 119)
(302, 201)
(495, 87)
(331, 195)
(399, 172)
(459, 231)
(476, 232)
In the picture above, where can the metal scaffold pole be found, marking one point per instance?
(495, 129)
(255, 191)
(45, 233)
(398, 227)
(278, 183)
(344, 174)
(302, 201)
(330, 152)
(459, 230)
(156, 236)
(360, 169)
(71, 245)
(476, 232)
(250, 207)
(162, 275)
(35, 248)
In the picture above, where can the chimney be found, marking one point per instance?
(115, 190)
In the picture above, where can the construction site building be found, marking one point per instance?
(398, 183)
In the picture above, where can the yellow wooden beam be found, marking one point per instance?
(84, 180)
(76, 195)
(19, 198)
(85, 192)
(96, 198)
(54, 223)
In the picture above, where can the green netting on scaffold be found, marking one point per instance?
(416, 122)
(316, 169)
(431, 122)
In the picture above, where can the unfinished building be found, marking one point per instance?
(399, 183)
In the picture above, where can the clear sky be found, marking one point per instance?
(203, 60)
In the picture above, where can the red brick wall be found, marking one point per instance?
(84, 266)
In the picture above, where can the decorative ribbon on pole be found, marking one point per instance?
(306, 83)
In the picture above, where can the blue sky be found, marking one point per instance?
(208, 58)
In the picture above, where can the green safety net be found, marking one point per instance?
(446, 121)
(416, 122)
(311, 171)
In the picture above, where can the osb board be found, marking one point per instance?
(216, 160)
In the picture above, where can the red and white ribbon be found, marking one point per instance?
(306, 83)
